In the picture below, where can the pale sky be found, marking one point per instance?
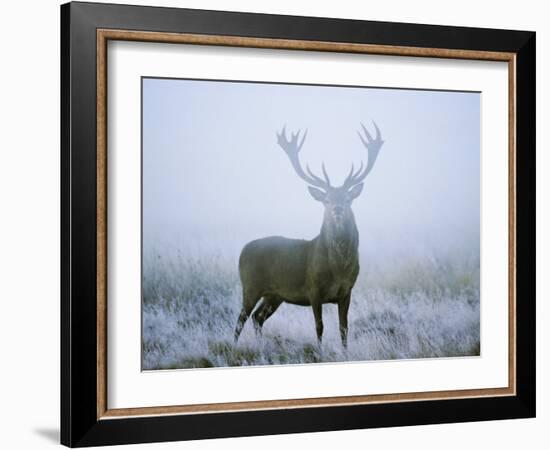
(213, 172)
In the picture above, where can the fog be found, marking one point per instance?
(214, 177)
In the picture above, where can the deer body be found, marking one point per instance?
(300, 272)
(311, 273)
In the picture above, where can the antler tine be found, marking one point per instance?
(302, 141)
(315, 177)
(349, 181)
(325, 174)
(378, 134)
(367, 134)
(373, 146)
(353, 174)
(292, 147)
(350, 172)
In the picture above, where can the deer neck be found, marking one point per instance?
(340, 242)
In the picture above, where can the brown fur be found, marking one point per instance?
(306, 273)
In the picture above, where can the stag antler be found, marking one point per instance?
(373, 146)
(292, 147)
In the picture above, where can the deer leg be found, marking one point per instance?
(274, 304)
(256, 317)
(343, 307)
(266, 309)
(249, 302)
(318, 314)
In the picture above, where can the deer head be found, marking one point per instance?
(336, 200)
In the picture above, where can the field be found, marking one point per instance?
(421, 307)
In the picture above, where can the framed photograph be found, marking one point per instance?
(277, 224)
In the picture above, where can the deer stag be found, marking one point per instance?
(308, 273)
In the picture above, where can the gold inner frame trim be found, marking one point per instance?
(103, 36)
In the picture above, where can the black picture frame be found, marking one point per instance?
(80, 425)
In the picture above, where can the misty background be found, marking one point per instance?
(214, 179)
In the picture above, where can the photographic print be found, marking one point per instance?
(296, 224)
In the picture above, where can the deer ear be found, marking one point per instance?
(317, 194)
(355, 191)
